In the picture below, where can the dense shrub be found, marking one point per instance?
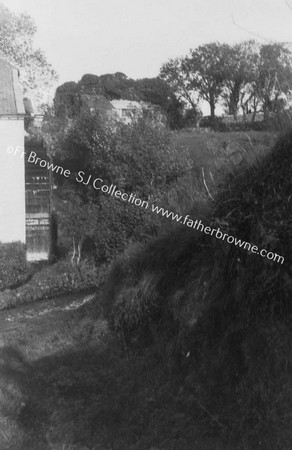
(118, 224)
(13, 269)
(103, 229)
(140, 159)
(150, 160)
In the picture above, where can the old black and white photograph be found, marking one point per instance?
(145, 225)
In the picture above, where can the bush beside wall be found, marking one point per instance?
(13, 268)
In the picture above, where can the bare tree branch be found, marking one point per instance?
(250, 32)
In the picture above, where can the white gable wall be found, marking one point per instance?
(12, 181)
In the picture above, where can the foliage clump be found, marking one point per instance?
(13, 268)
(17, 32)
(140, 159)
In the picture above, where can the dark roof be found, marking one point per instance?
(11, 97)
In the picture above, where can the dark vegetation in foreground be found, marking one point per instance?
(217, 315)
(199, 351)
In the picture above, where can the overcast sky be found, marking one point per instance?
(137, 36)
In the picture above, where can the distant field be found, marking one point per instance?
(206, 147)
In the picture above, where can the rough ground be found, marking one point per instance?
(66, 384)
(33, 341)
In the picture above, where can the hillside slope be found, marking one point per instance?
(220, 316)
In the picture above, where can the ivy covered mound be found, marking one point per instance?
(218, 316)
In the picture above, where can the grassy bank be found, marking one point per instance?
(210, 147)
(222, 313)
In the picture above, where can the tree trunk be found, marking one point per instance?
(254, 109)
(267, 108)
(212, 111)
(232, 110)
(233, 101)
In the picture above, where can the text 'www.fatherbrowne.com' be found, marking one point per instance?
(218, 233)
(112, 190)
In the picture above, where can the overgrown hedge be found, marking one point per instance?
(278, 121)
(13, 268)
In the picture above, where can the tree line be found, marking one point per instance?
(246, 76)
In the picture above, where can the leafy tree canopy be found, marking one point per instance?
(140, 157)
(17, 33)
(246, 74)
(68, 97)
